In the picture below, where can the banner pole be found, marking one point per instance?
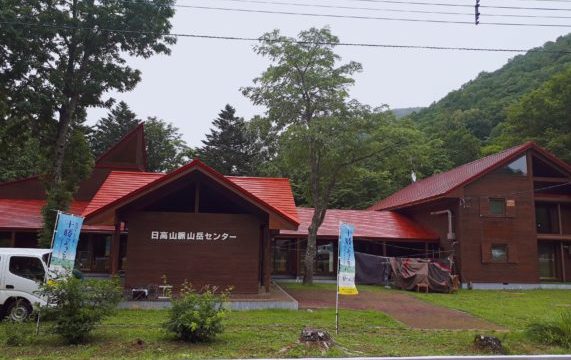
(48, 269)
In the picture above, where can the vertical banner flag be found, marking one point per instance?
(64, 245)
(346, 272)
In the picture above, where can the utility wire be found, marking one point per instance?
(460, 5)
(368, 17)
(386, 9)
(254, 39)
(344, 7)
(558, 1)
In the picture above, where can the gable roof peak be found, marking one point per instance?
(439, 185)
(128, 153)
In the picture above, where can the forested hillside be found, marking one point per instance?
(471, 120)
(402, 112)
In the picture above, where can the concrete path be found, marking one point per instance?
(399, 305)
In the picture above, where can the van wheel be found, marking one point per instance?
(19, 310)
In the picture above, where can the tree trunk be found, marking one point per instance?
(65, 116)
(316, 219)
(311, 250)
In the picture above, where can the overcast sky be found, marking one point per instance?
(189, 87)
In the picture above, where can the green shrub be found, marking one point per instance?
(18, 333)
(77, 306)
(197, 316)
(556, 332)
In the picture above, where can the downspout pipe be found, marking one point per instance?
(451, 234)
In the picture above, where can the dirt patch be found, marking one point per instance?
(401, 306)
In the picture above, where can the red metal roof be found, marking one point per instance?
(117, 185)
(27, 215)
(270, 194)
(368, 225)
(441, 184)
(275, 191)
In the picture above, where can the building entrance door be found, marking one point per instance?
(546, 251)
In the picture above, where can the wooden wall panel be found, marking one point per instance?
(232, 262)
(437, 223)
(479, 230)
(566, 218)
(31, 188)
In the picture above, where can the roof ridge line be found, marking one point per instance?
(514, 149)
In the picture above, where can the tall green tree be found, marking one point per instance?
(60, 57)
(110, 129)
(229, 148)
(407, 150)
(21, 151)
(166, 150)
(542, 115)
(305, 92)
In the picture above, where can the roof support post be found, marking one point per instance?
(89, 252)
(197, 198)
(115, 240)
(13, 239)
(266, 278)
(296, 257)
(451, 234)
(563, 275)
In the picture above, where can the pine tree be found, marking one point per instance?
(166, 150)
(109, 130)
(228, 148)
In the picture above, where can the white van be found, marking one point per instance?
(21, 273)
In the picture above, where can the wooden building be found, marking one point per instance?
(504, 219)
(384, 233)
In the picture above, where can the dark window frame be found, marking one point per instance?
(497, 200)
(504, 258)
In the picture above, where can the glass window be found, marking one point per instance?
(516, 167)
(283, 255)
(325, 259)
(547, 218)
(5, 239)
(499, 253)
(498, 206)
(546, 261)
(27, 267)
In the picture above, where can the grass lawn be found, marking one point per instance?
(273, 333)
(512, 309)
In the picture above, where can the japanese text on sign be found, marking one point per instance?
(197, 236)
(64, 246)
(346, 274)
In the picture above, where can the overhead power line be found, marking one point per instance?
(257, 39)
(460, 5)
(341, 7)
(558, 1)
(410, 11)
(369, 17)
